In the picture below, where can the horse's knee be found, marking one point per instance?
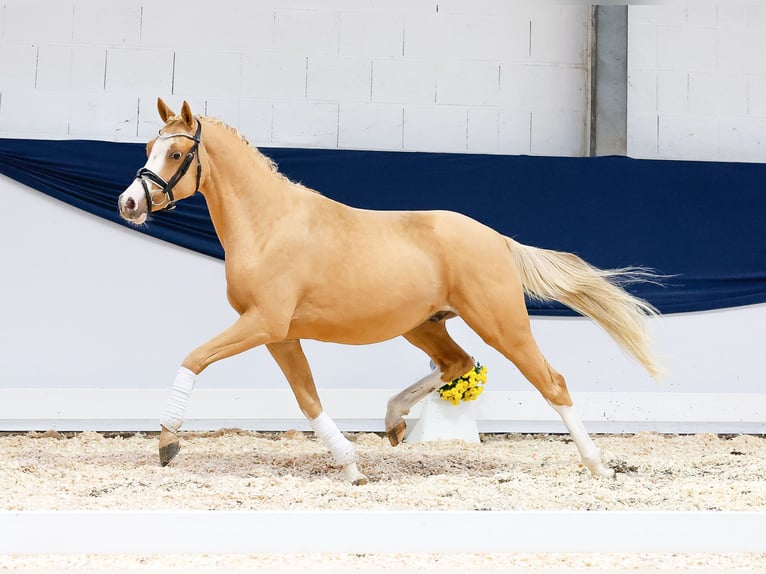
(454, 367)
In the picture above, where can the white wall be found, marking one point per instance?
(457, 76)
(697, 81)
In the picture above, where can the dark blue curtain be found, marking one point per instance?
(700, 222)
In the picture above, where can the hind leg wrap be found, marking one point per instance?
(175, 409)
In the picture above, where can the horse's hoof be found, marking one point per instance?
(169, 446)
(396, 434)
(352, 474)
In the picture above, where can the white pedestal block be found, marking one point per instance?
(441, 420)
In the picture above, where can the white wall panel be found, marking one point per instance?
(273, 75)
(23, 21)
(378, 35)
(106, 23)
(705, 63)
(334, 79)
(403, 81)
(362, 123)
(130, 71)
(440, 128)
(305, 124)
(294, 54)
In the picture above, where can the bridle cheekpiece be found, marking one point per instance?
(147, 176)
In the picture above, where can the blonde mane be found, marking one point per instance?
(269, 163)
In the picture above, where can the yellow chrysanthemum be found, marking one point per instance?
(465, 388)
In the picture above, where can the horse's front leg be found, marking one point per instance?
(290, 358)
(249, 331)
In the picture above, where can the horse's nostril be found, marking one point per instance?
(130, 203)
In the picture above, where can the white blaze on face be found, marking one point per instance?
(132, 201)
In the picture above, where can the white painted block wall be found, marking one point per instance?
(697, 82)
(424, 75)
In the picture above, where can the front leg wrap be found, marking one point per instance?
(175, 409)
(327, 431)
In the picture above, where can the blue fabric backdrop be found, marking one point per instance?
(701, 222)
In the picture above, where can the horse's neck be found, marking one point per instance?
(244, 196)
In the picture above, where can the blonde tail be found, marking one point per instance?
(596, 293)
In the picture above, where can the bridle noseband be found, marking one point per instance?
(145, 175)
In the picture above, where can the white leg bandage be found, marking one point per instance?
(173, 417)
(327, 431)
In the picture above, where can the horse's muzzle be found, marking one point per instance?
(131, 208)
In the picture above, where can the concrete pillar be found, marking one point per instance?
(609, 81)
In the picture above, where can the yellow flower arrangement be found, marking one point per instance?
(465, 388)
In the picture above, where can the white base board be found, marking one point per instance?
(364, 410)
(277, 532)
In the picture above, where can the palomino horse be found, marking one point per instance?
(302, 266)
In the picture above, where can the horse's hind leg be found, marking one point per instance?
(506, 328)
(290, 358)
(451, 362)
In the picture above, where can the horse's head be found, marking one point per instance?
(166, 177)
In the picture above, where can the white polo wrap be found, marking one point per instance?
(327, 431)
(173, 417)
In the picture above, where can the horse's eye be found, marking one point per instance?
(176, 155)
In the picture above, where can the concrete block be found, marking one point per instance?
(273, 75)
(544, 88)
(472, 83)
(370, 126)
(559, 133)
(514, 131)
(222, 76)
(560, 34)
(435, 128)
(88, 68)
(672, 92)
(131, 70)
(438, 36)
(306, 32)
(687, 137)
(371, 34)
(683, 48)
(309, 124)
(742, 139)
(642, 135)
(25, 113)
(483, 130)
(757, 96)
(18, 66)
(403, 81)
(229, 26)
(702, 15)
(38, 21)
(103, 116)
(333, 78)
(662, 14)
(106, 23)
(255, 121)
(642, 45)
(741, 50)
(642, 91)
(54, 67)
(741, 15)
(718, 94)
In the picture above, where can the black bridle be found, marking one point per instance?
(145, 175)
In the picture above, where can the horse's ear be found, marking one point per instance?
(165, 112)
(187, 116)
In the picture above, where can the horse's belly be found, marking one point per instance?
(358, 326)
